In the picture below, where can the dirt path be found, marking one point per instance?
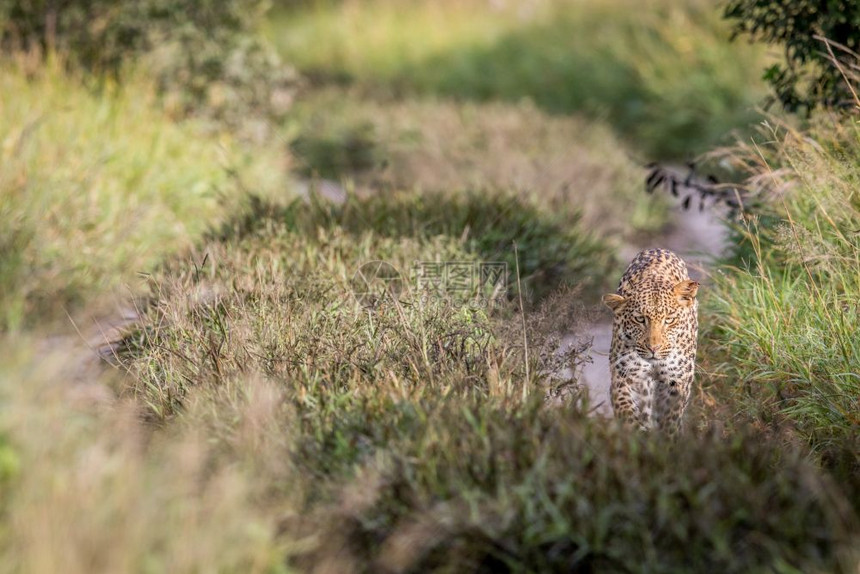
(698, 237)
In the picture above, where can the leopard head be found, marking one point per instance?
(655, 315)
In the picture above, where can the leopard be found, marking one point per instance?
(652, 356)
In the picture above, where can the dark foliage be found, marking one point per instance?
(205, 54)
(808, 78)
(534, 492)
(100, 34)
(697, 189)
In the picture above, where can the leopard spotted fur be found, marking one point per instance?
(652, 357)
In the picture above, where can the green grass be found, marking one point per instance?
(663, 74)
(90, 488)
(786, 317)
(309, 254)
(97, 187)
(472, 486)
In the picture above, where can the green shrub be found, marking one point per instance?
(807, 78)
(308, 255)
(100, 35)
(474, 487)
(205, 54)
(344, 150)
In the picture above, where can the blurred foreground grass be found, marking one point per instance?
(663, 74)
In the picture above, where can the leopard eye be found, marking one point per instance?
(670, 320)
(639, 319)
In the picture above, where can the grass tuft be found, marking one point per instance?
(786, 315)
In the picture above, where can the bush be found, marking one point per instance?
(808, 77)
(100, 34)
(281, 289)
(469, 486)
(205, 53)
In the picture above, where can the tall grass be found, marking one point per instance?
(663, 74)
(787, 316)
(280, 291)
(264, 419)
(95, 187)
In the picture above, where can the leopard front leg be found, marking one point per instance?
(674, 383)
(632, 391)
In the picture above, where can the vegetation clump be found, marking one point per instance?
(787, 315)
(422, 434)
(206, 57)
(819, 40)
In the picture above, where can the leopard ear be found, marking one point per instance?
(686, 291)
(613, 301)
